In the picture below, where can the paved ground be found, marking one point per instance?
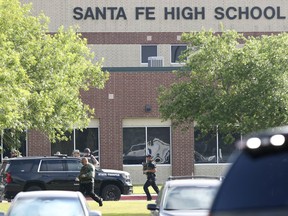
(137, 197)
(124, 197)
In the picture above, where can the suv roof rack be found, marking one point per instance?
(195, 177)
(60, 155)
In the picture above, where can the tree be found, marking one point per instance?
(236, 83)
(42, 75)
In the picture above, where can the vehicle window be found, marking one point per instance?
(52, 165)
(255, 181)
(20, 166)
(47, 206)
(74, 165)
(189, 198)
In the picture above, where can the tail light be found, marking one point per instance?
(8, 178)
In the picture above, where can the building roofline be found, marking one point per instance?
(140, 69)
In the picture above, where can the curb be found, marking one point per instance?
(137, 197)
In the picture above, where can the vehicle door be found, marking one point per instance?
(54, 174)
(73, 170)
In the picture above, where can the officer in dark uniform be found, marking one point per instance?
(149, 168)
(86, 178)
(88, 154)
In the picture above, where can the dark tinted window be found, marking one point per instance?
(20, 166)
(176, 51)
(74, 165)
(52, 165)
(148, 51)
(63, 146)
(254, 182)
(88, 138)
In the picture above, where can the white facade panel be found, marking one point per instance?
(165, 16)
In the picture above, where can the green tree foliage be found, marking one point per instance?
(237, 83)
(42, 75)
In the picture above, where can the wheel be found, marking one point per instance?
(34, 188)
(111, 192)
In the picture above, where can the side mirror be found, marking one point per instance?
(152, 207)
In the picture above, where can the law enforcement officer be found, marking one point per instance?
(86, 179)
(76, 153)
(150, 170)
(94, 161)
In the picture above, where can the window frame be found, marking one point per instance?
(145, 61)
(146, 143)
(177, 57)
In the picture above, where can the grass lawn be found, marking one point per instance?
(121, 208)
(115, 208)
(138, 189)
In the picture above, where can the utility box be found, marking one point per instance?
(155, 61)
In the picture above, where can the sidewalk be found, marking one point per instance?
(137, 197)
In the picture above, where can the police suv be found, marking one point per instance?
(58, 173)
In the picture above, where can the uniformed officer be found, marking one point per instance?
(86, 179)
(87, 154)
(150, 170)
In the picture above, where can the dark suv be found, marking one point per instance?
(257, 181)
(59, 173)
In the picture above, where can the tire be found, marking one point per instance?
(111, 192)
(34, 188)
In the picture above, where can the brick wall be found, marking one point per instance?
(38, 144)
(131, 92)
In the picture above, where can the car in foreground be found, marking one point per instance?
(47, 203)
(185, 195)
(59, 173)
(256, 182)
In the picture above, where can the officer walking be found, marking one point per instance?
(150, 170)
(86, 178)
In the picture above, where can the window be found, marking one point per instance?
(148, 51)
(139, 141)
(52, 165)
(74, 165)
(213, 148)
(64, 147)
(176, 51)
(87, 138)
(21, 166)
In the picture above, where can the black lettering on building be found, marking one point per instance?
(255, 13)
(231, 13)
(269, 12)
(89, 14)
(219, 13)
(78, 13)
(243, 12)
(188, 13)
(112, 13)
(200, 12)
(147, 12)
(279, 16)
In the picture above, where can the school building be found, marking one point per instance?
(140, 42)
